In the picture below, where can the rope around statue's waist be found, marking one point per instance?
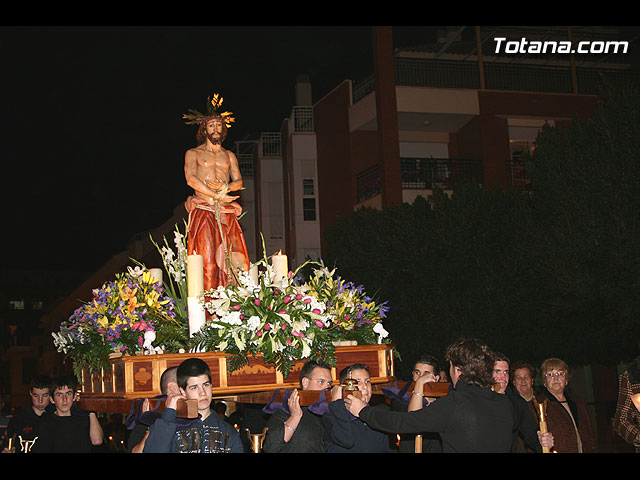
(216, 210)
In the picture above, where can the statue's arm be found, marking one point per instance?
(234, 173)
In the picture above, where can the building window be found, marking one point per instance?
(309, 209)
(37, 305)
(16, 304)
(307, 186)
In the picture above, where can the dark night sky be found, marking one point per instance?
(93, 141)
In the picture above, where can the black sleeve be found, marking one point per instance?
(432, 418)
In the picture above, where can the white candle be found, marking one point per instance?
(280, 268)
(157, 274)
(253, 273)
(197, 316)
(195, 275)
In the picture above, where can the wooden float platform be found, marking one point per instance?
(135, 377)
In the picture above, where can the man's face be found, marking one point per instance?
(424, 369)
(364, 383)
(320, 379)
(63, 398)
(523, 382)
(214, 130)
(500, 376)
(39, 398)
(199, 388)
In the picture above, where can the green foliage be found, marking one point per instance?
(554, 273)
(587, 197)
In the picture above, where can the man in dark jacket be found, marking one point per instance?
(296, 429)
(345, 433)
(471, 418)
(524, 423)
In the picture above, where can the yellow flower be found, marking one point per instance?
(103, 322)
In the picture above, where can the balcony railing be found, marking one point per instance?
(270, 144)
(428, 173)
(438, 73)
(368, 183)
(302, 119)
(245, 163)
(422, 173)
(517, 176)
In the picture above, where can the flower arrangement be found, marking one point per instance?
(285, 321)
(126, 315)
(357, 316)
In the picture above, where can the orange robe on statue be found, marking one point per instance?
(208, 238)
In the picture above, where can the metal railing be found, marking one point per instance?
(368, 183)
(302, 119)
(517, 176)
(422, 173)
(428, 173)
(438, 73)
(270, 144)
(245, 162)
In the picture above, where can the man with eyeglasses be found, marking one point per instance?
(525, 425)
(566, 413)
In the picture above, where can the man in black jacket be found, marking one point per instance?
(296, 429)
(471, 418)
(524, 423)
(345, 433)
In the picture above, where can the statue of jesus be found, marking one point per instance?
(213, 172)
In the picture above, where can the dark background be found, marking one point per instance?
(93, 139)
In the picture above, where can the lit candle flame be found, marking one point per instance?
(636, 400)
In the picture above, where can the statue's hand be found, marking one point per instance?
(213, 184)
(225, 198)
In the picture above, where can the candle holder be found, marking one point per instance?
(542, 412)
(256, 439)
(350, 387)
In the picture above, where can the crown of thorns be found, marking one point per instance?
(194, 117)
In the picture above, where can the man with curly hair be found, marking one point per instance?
(470, 419)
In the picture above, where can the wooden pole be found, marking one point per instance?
(483, 84)
(574, 77)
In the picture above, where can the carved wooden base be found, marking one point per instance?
(132, 377)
